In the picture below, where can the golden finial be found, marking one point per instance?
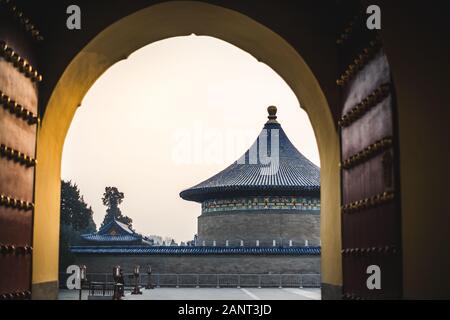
(272, 110)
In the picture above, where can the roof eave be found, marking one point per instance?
(203, 194)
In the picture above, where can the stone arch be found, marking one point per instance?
(157, 22)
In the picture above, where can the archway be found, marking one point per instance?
(137, 30)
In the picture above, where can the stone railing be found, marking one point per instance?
(211, 280)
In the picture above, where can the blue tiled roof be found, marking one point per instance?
(138, 250)
(122, 233)
(296, 175)
(119, 227)
(109, 238)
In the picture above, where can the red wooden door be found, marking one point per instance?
(18, 126)
(371, 234)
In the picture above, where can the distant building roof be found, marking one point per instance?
(117, 227)
(115, 238)
(115, 232)
(195, 250)
(250, 175)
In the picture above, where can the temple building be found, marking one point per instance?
(269, 197)
(115, 233)
(261, 215)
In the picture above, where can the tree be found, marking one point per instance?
(111, 199)
(74, 210)
(76, 219)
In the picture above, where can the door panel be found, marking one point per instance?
(18, 128)
(370, 212)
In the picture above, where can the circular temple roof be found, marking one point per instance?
(272, 166)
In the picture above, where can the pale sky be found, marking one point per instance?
(173, 114)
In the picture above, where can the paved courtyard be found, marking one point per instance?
(212, 294)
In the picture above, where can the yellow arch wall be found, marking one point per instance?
(155, 23)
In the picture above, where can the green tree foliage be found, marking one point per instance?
(112, 198)
(74, 210)
(76, 219)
